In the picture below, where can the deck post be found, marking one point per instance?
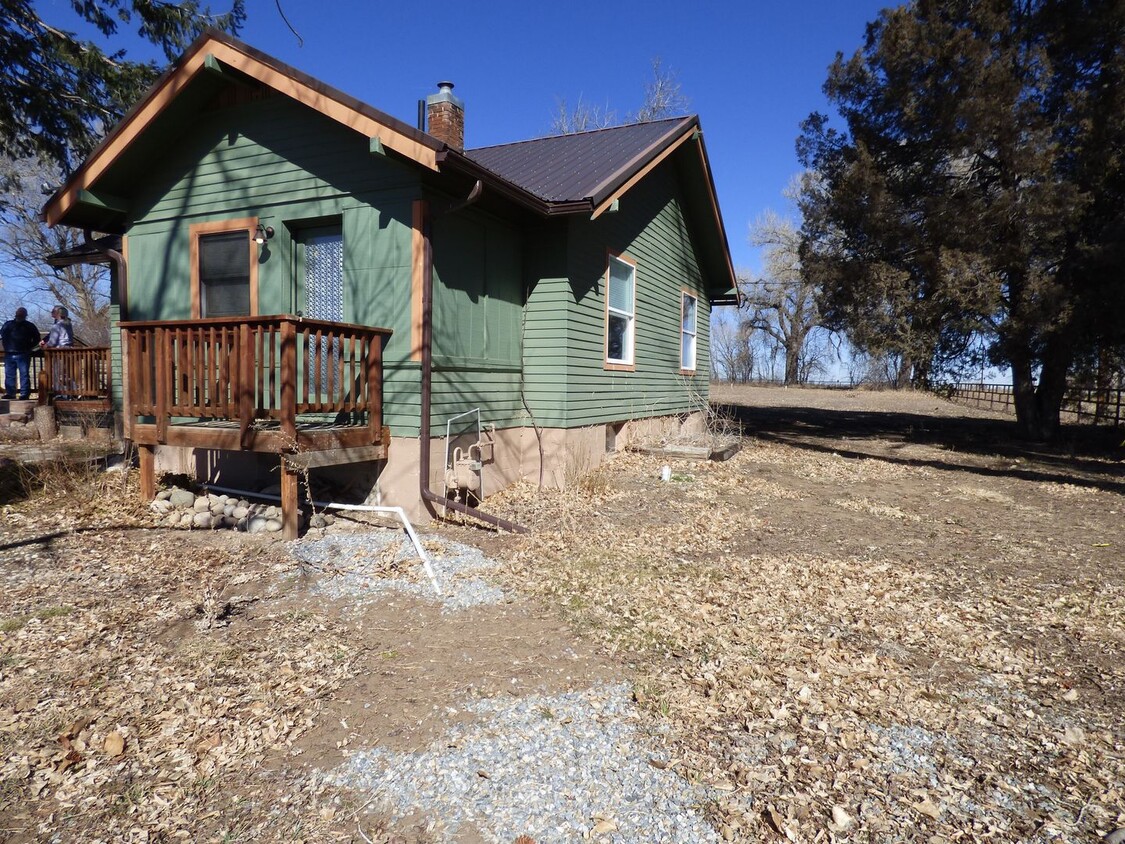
(288, 500)
(163, 383)
(245, 389)
(289, 380)
(375, 387)
(147, 459)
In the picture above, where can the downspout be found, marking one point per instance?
(427, 374)
(118, 259)
(125, 420)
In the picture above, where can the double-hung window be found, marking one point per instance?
(224, 269)
(620, 313)
(688, 311)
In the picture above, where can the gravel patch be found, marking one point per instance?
(556, 768)
(362, 567)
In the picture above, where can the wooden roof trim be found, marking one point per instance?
(717, 212)
(598, 194)
(326, 104)
(606, 203)
(119, 139)
(165, 90)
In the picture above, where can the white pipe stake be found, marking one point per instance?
(361, 508)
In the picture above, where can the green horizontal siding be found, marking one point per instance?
(547, 325)
(287, 165)
(650, 229)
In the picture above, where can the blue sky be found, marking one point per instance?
(751, 70)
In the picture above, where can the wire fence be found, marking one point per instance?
(1084, 405)
(1080, 404)
(821, 384)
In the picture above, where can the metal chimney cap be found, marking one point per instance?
(445, 95)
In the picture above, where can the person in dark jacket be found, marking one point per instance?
(19, 337)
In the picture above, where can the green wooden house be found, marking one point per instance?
(302, 274)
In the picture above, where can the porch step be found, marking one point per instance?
(16, 410)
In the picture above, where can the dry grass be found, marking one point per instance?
(873, 696)
(844, 647)
(138, 699)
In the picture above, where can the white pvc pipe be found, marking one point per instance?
(362, 508)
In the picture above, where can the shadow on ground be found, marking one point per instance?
(1083, 455)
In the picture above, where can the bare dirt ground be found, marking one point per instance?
(883, 620)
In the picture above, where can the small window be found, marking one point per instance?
(224, 274)
(224, 269)
(620, 299)
(687, 332)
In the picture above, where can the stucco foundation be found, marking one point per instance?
(555, 457)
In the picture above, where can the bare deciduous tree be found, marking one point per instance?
(732, 349)
(663, 97)
(25, 242)
(782, 303)
(582, 118)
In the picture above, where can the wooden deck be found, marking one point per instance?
(307, 390)
(76, 378)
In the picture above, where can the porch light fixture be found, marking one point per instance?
(263, 234)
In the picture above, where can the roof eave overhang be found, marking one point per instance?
(730, 294)
(616, 184)
(214, 48)
(453, 160)
(728, 298)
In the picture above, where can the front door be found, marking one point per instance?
(320, 271)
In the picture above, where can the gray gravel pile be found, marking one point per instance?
(558, 769)
(356, 565)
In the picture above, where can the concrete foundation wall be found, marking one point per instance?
(510, 455)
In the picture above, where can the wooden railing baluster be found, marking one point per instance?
(244, 369)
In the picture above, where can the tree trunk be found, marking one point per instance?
(1052, 386)
(792, 365)
(1038, 408)
(1023, 395)
(1102, 380)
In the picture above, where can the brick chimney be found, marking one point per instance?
(445, 116)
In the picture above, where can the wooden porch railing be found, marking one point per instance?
(35, 367)
(255, 368)
(76, 372)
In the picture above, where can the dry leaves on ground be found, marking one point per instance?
(870, 697)
(137, 703)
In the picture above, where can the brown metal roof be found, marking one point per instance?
(584, 166)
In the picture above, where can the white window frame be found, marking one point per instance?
(688, 334)
(628, 360)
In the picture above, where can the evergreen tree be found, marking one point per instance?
(59, 93)
(977, 190)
